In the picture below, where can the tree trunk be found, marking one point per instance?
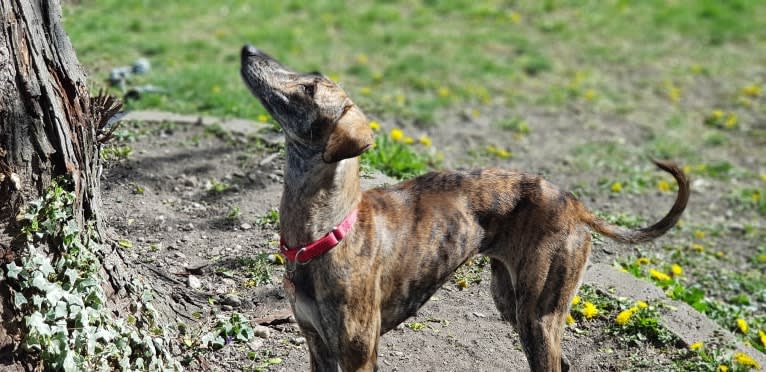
(49, 127)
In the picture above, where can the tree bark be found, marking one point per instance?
(49, 126)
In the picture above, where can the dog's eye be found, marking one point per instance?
(309, 89)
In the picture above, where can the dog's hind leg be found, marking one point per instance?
(543, 296)
(502, 291)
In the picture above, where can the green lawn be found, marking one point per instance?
(409, 58)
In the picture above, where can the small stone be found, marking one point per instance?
(179, 255)
(262, 331)
(232, 300)
(227, 307)
(245, 226)
(298, 340)
(479, 315)
(194, 282)
(255, 344)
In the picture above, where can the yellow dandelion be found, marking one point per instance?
(216, 89)
(763, 177)
(396, 134)
(616, 187)
(514, 17)
(570, 319)
(731, 120)
(663, 185)
(590, 95)
(377, 76)
(366, 91)
(756, 196)
(698, 247)
(643, 261)
(687, 169)
(624, 316)
(503, 154)
(761, 258)
(717, 114)
(374, 125)
(408, 140)
(425, 140)
(362, 59)
(742, 325)
(696, 68)
(334, 77)
(762, 336)
(443, 92)
(263, 118)
(676, 269)
(699, 234)
(752, 90)
(673, 92)
(589, 310)
(462, 283)
(746, 360)
(576, 300)
(659, 275)
(641, 304)
(696, 346)
(720, 254)
(723, 368)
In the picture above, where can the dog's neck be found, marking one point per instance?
(317, 195)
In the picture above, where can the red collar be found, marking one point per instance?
(307, 252)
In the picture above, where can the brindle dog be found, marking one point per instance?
(409, 238)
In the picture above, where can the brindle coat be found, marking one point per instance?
(409, 238)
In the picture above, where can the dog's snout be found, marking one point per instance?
(250, 51)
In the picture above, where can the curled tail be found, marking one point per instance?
(624, 235)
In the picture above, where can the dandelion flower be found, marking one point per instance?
(723, 368)
(216, 89)
(425, 141)
(374, 125)
(752, 90)
(366, 91)
(699, 234)
(641, 304)
(731, 121)
(590, 94)
(396, 134)
(676, 269)
(408, 140)
(762, 336)
(717, 114)
(624, 316)
(663, 185)
(696, 346)
(659, 275)
(673, 92)
(462, 283)
(576, 300)
(515, 17)
(570, 319)
(698, 247)
(742, 325)
(616, 187)
(589, 310)
(443, 92)
(643, 261)
(763, 177)
(746, 360)
(263, 118)
(362, 59)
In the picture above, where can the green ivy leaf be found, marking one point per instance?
(19, 300)
(13, 270)
(61, 311)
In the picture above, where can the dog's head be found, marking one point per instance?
(313, 111)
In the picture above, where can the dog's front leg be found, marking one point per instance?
(359, 343)
(322, 358)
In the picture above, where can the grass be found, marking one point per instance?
(407, 58)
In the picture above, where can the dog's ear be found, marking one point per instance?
(350, 137)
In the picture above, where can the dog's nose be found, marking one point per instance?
(249, 51)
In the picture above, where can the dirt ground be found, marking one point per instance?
(160, 199)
